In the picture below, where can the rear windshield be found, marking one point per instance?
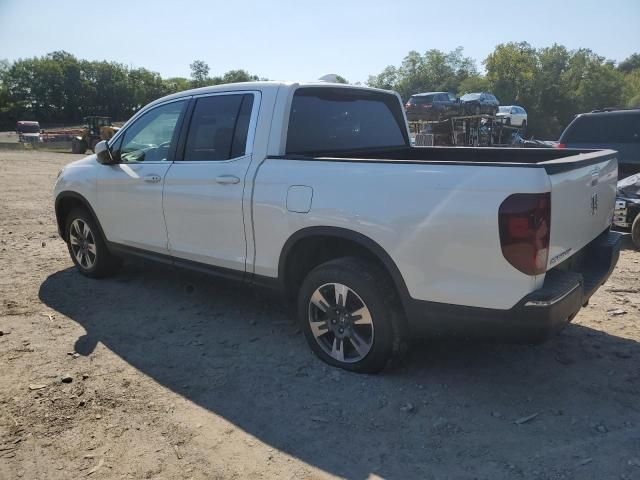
(471, 96)
(606, 128)
(421, 99)
(504, 109)
(325, 119)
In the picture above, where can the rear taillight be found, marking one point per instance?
(561, 145)
(407, 105)
(524, 221)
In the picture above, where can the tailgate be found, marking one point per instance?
(583, 195)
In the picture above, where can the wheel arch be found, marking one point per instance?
(293, 263)
(67, 201)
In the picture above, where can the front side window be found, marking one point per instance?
(219, 127)
(151, 136)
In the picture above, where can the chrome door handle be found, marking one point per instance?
(227, 180)
(152, 178)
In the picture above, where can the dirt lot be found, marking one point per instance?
(175, 375)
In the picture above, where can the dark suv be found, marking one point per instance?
(432, 106)
(479, 103)
(615, 129)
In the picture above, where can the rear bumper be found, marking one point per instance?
(538, 315)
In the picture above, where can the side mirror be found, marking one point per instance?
(103, 153)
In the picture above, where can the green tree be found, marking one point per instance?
(632, 89)
(176, 84)
(473, 83)
(511, 72)
(386, 80)
(630, 63)
(591, 82)
(199, 73)
(235, 76)
(433, 71)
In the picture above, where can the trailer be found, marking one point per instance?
(466, 130)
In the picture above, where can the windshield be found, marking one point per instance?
(28, 128)
(341, 119)
(504, 109)
(470, 96)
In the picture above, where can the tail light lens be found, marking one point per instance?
(524, 221)
(561, 145)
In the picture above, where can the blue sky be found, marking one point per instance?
(301, 40)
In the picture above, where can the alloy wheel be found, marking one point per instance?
(340, 322)
(83, 244)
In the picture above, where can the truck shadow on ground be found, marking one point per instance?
(449, 412)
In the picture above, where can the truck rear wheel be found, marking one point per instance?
(635, 231)
(350, 314)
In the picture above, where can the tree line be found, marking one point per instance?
(552, 83)
(59, 88)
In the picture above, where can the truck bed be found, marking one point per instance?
(551, 159)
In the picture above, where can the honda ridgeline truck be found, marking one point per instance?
(315, 190)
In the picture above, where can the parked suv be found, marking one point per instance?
(613, 129)
(432, 106)
(513, 115)
(479, 103)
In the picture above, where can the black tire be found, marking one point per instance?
(78, 146)
(101, 262)
(523, 127)
(375, 291)
(635, 231)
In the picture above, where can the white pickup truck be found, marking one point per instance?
(314, 189)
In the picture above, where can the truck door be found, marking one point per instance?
(129, 193)
(203, 189)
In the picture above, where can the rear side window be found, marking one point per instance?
(341, 119)
(604, 129)
(219, 127)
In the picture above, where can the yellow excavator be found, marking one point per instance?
(95, 129)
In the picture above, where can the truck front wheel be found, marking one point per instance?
(87, 248)
(350, 315)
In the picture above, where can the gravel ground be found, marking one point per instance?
(161, 373)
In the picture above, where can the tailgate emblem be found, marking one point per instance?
(594, 203)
